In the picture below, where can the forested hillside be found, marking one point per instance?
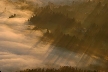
(80, 27)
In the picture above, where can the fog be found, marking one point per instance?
(21, 48)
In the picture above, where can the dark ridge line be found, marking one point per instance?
(61, 69)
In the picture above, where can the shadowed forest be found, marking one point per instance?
(79, 27)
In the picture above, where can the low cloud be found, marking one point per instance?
(15, 42)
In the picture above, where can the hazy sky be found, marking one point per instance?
(21, 49)
(42, 2)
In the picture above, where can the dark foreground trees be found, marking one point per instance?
(61, 69)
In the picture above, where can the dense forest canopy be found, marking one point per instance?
(80, 27)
